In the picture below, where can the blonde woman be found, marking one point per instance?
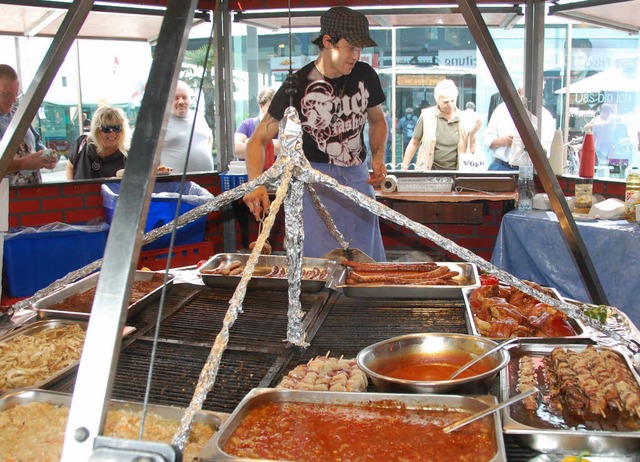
(442, 132)
(104, 151)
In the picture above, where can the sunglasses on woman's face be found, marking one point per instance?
(111, 128)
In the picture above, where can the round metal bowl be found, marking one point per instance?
(401, 349)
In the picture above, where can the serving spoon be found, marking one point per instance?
(489, 410)
(466, 366)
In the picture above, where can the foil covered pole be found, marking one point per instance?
(313, 176)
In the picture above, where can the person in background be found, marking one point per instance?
(25, 166)
(442, 132)
(498, 136)
(248, 126)
(335, 95)
(102, 152)
(613, 145)
(86, 123)
(178, 135)
(406, 126)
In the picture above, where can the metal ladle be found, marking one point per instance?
(489, 410)
(482, 356)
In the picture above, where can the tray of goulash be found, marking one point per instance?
(271, 424)
(414, 280)
(75, 300)
(271, 272)
(39, 353)
(589, 399)
(43, 415)
(500, 311)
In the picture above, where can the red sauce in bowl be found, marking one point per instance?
(429, 368)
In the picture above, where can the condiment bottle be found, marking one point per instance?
(632, 194)
(557, 157)
(584, 184)
(525, 184)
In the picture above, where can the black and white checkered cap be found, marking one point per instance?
(342, 22)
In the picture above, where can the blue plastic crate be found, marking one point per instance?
(162, 210)
(231, 180)
(33, 258)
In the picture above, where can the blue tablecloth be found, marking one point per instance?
(531, 246)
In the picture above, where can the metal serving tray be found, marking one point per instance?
(582, 335)
(25, 397)
(263, 282)
(468, 279)
(547, 434)
(213, 450)
(43, 305)
(36, 327)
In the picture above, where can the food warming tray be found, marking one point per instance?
(264, 263)
(43, 306)
(467, 279)
(548, 433)
(258, 396)
(43, 325)
(25, 397)
(581, 334)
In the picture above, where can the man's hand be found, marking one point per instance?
(258, 202)
(379, 172)
(33, 161)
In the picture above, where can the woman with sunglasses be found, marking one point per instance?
(104, 151)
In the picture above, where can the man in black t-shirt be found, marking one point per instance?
(334, 96)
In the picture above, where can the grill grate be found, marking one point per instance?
(176, 372)
(262, 326)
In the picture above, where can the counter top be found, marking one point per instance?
(463, 196)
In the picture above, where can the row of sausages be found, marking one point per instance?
(236, 268)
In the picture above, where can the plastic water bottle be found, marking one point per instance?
(525, 185)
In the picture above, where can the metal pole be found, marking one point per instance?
(559, 205)
(101, 351)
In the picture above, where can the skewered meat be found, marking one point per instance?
(527, 381)
(326, 374)
(417, 275)
(591, 383)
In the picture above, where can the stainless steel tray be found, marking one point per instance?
(25, 397)
(36, 327)
(547, 434)
(213, 449)
(468, 278)
(43, 306)
(264, 282)
(581, 334)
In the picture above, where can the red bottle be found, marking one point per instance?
(588, 156)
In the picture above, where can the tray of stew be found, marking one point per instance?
(271, 424)
(43, 415)
(500, 311)
(414, 280)
(589, 399)
(270, 273)
(75, 300)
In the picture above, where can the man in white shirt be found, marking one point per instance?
(499, 134)
(176, 141)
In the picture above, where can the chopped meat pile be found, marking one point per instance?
(502, 311)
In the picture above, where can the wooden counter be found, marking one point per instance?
(464, 196)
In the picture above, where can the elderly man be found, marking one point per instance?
(25, 166)
(176, 140)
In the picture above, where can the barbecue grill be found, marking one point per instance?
(256, 355)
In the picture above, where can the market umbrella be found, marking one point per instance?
(610, 80)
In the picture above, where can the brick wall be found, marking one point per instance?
(82, 202)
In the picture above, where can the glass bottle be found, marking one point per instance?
(632, 194)
(584, 184)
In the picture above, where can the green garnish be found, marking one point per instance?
(599, 313)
